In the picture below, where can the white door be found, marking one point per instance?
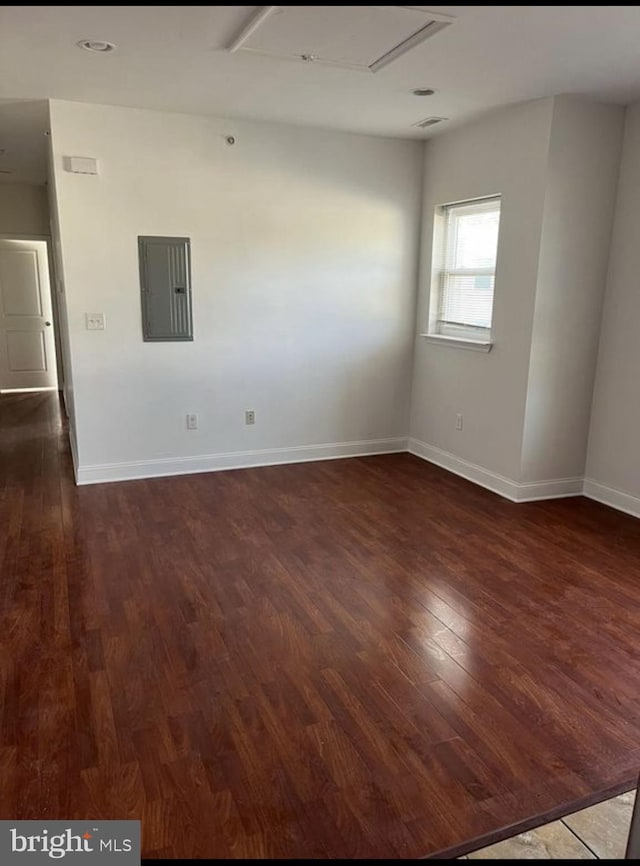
(27, 347)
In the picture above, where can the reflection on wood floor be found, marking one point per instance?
(353, 658)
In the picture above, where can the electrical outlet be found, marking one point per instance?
(192, 422)
(95, 321)
(458, 422)
(249, 416)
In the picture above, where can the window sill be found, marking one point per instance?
(458, 342)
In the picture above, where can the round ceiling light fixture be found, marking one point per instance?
(100, 46)
(423, 91)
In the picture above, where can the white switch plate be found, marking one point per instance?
(95, 321)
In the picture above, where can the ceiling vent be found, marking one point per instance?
(429, 121)
(362, 38)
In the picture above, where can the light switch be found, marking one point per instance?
(95, 321)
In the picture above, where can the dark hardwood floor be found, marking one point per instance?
(355, 658)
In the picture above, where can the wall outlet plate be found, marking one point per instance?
(249, 416)
(192, 422)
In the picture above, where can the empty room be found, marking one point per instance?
(319, 476)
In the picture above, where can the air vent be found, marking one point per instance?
(429, 121)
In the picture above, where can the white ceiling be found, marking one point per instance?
(173, 58)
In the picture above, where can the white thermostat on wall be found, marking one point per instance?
(81, 164)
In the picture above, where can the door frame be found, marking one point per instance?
(12, 236)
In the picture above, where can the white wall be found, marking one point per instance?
(504, 153)
(304, 248)
(58, 297)
(23, 209)
(613, 466)
(525, 405)
(582, 173)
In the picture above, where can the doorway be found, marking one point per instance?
(27, 333)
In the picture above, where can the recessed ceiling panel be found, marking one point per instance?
(355, 37)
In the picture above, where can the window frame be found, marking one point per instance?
(447, 333)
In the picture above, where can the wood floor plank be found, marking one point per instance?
(358, 658)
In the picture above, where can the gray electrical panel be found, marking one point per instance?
(165, 288)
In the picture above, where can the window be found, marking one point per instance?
(465, 249)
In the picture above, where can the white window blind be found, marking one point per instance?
(468, 267)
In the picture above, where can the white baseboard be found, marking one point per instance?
(516, 491)
(554, 488)
(235, 460)
(491, 480)
(65, 401)
(74, 452)
(611, 496)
